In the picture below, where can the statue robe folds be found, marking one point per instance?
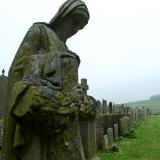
(45, 100)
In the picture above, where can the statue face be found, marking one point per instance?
(74, 22)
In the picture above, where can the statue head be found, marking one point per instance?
(72, 16)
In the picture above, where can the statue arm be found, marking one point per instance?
(86, 104)
(28, 105)
(87, 108)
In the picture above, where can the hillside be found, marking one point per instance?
(154, 105)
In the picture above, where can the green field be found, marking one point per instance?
(154, 105)
(145, 147)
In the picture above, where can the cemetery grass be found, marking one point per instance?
(145, 147)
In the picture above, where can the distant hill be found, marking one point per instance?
(155, 97)
(153, 105)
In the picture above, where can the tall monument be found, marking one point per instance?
(3, 93)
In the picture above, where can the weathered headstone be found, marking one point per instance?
(105, 110)
(110, 137)
(88, 135)
(3, 93)
(105, 143)
(99, 107)
(124, 124)
(116, 132)
(110, 107)
(88, 131)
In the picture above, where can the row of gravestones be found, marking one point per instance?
(110, 133)
(117, 113)
(110, 108)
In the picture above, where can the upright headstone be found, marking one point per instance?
(3, 93)
(88, 131)
(114, 107)
(124, 124)
(105, 110)
(105, 143)
(116, 132)
(99, 107)
(110, 107)
(110, 137)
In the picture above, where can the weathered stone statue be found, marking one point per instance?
(45, 100)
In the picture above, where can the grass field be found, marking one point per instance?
(154, 105)
(145, 147)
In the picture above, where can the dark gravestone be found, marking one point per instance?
(116, 132)
(99, 107)
(3, 93)
(105, 109)
(110, 107)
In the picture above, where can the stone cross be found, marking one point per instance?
(84, 85)
(3, 71)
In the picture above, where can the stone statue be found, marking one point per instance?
(45, 100)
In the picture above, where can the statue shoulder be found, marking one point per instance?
(37, 27)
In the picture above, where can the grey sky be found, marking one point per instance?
(119, 48)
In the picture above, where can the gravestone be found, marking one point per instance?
(123, 124)
(88, 135)
(105, 143)
(105, 110)
(84, 85)
(3, 93)
(113, 107)
(88, 131)
(110, 107)
(110, 137)
(116, 132)
(99, 107)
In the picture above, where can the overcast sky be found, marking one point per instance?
(119, 48)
